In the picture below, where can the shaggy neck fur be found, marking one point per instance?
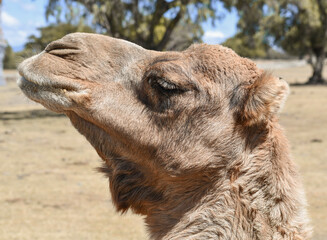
(242, 204)
(237, 201)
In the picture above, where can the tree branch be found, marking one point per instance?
(136, 13)
(323, 17)
(169, 29)
(160, 8)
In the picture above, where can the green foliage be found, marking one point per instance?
(250, 40)
(148, 23)
(300, 28)
(251, 46)
(10, 59)
(50, 33)
(183, 36)
(297, 26)
(36, 44)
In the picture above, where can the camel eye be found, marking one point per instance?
(166, 85)
(163, 85)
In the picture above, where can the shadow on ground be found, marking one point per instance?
(28, 114)
(324, 84)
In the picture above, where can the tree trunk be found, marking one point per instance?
(317, 66)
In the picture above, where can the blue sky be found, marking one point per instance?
(21, 18)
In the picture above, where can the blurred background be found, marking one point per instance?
(49, 188)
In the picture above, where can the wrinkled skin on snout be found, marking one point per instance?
(189, 139)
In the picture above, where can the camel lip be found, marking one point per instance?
(57, 98)
(47, 86)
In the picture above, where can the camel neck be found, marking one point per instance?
(247, 202)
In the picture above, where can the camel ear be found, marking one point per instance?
(264, 99)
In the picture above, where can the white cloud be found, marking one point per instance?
(16, 38)
(20, 19)
(213, 37)
(214, 34)
(9, 20)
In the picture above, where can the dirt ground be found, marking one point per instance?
(49, 188)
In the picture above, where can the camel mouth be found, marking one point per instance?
(30, 84)
(32, 81)
(44, 90)
(33, 78)
(56, 97)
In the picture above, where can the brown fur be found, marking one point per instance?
(189, 139)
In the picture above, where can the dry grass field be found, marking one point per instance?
(49, 188)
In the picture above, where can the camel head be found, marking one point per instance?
(170, 126)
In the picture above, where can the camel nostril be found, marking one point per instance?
(62, 48)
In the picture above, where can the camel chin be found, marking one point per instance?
(52, 98)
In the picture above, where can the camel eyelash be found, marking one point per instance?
(166, 85)
(163, 84)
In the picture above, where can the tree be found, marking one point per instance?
(250, 40)
(251, 46)
(10, 60)
(48, 34)
(148, 23)
(183, 36)
(300, 28)
(297, 26)
(51, 33)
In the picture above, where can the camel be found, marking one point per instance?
(189, 139)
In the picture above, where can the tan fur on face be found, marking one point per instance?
(189, 139)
